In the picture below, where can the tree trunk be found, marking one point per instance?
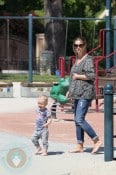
(54, 29)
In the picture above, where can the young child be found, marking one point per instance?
(43, 119)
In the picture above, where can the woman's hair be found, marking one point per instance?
(80, 38)
(83, 39)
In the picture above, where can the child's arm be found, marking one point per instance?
(48, 122)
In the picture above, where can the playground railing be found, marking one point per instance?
(98, 89)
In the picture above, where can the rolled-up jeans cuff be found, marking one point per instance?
(79, 141)
(95, 138)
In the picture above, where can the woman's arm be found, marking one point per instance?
(76, 76)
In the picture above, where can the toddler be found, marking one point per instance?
(43, 119)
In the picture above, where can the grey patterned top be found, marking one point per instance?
(83, 89)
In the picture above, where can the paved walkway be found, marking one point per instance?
(17, 151)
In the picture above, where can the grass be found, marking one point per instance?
(25, 78)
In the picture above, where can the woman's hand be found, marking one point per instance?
(75, 76)
(67, 94)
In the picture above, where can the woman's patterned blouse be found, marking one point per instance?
(83, 89)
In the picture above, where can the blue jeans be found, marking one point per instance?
(80, 110)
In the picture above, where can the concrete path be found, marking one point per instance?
(17, 152)
(58, 162)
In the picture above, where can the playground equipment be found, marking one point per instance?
(58, 91)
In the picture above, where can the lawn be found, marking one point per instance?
(25, 78)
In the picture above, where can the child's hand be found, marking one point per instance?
(45, 125)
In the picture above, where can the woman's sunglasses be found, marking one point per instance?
(78, 45)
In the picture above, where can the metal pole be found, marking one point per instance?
(108, 122)
(8, 44)
(114, 40)
(108, 28)
(30, 47)
(66, 39)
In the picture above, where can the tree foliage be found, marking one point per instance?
(21, 7)
(70, 8)
(82, 8)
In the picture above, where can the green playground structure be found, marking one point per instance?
(58, 91)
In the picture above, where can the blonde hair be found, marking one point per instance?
(43, 98)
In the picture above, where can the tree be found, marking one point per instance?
(54, 29)
(20, 7)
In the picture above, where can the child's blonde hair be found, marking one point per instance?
(43, 98)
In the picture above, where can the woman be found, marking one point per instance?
(81, 89)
